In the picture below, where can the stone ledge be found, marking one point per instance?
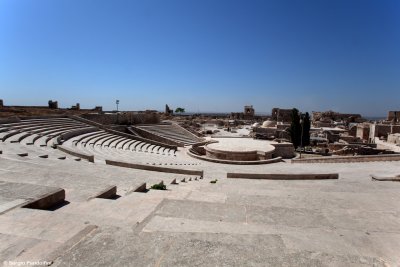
(109, 192)
(48, 200)
(385, 179)
(286, 176)
(349, 159)
(152, 168)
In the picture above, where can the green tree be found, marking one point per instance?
(179, 110)
(295, 128)
(306, 129)
(300, 128)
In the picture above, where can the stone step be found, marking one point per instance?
(125, 211)
(40, 224)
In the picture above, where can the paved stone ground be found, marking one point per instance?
(352, 221)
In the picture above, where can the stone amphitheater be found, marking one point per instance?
(77, 193)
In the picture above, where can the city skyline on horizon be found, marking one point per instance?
(204, 56)
(257, 112)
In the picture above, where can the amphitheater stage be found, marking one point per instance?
(240, 149)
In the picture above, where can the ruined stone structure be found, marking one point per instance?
(53, 104)
(126, 118)
(168, 111)
(368, 131)
(335, 116)
(98, 108)
(76, 107)
(249, 111)
(382, 130)
(266, 132)
(363, 131)
(353, 130)
(247, 114)
(394, 138)
(281, 115)
(394, 116)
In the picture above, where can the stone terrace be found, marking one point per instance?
(351, 221)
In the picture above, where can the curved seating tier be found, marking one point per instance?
(172, 132)
(86, 141)
(107, 146)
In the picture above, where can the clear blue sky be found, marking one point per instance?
(204, 55)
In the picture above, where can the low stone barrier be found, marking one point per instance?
(75, 153)
(236, 162)
(153, 168)
(108, 193)
(349, 159)
(48, 200)
(384, 179)
(286, 176)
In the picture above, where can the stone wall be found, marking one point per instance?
(126, 118)
(283, 150)
(393, 116)
(349, 159)
(394, 138)
(338, 146)
(236, 156)
(236, 162)
(279, 114)
(268, 132)
(363, 131)
(332, 115)
(382, 130)
(349, 138)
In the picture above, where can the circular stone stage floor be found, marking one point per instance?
(241, 145)
(240, 150)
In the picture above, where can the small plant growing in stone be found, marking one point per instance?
(159, 186)
(214, 181)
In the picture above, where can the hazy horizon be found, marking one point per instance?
(204, 56)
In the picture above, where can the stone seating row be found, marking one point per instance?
(84, 141)
(48, 128)
(104, 139)
(172, 132)
(174, 136)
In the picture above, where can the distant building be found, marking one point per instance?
(335, 116)
(247, 114)
(53, 104)
(76, 107)
(168, 111)
(368, 131)
(394, 116)
(394, 138)
(281, 115)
